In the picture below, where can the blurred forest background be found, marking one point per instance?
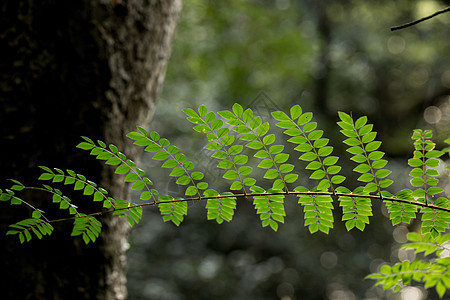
(267, 55)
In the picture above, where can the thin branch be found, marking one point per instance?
(376, 197)
(420, 20)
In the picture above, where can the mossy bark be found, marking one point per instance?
(71, 68)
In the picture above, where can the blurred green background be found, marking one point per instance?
(326, 56)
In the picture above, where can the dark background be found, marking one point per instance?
(266, 55)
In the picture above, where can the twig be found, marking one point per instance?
(420, 20)
(336, 194)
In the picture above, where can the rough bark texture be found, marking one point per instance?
(71, 68)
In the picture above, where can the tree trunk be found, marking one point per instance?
(71, 68)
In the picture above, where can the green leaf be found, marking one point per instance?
(281, 116)
(46, 176)
(325, 151)
(173, 149)
(249, 137)
(360, 122)
(160, 155)
(367, 177)
(188, 165)
(220, 154)
(238, 110)
(224, 164)
(320, 142)
(305, 118)
(226, 115)
(228, 140)
(314, 165)
(295, 111)
(255, 122)
(432, 162)
(281, 157)
(333, 170)
(268, 139)
(369, 137)
(385, 183)
(236, 186)
(345, 117)
(88, 190)
(222, 132)
(318, 174)
(183, 180)
(330, 160)
(202, 110)
(213, 146)
(79, 185)
(352, 142)
(309, 127)
(113, 161)
(170, 163)
(372, 146)
(378, 164)
(153, 148)
(286, 168)
(308, 156)
(230, 174)
(138, 185)
(146, 195)
(355, 150)
(210, 116)
(434, 190)
(240, 159)
(337, 179)
(366, 129)
(247, 115)
(197, 175)
(417, 181)
(347, 133)
(298, 140)
(191, 190)
(265, 164)
(122, 169)
(177, 171)
(202, 185)
(304, 147)
(290, 178)
(382, 173)
(98, 196)
(235, 149)
(415, 162)
(271, 174)
(256, 145)
(434, 154)
(362, 168)
(262, 154)
(245, 170)
(85, 146)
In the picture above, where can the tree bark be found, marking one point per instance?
(72, 68)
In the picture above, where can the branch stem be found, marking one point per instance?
(420, 20)
(242, 195)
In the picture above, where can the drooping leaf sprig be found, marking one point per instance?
(433, 271)
(231, 135)
(242, 143)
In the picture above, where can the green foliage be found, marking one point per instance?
(88, 227)
(245, 147)
(434, 272)
(33, 225)
(79, 183)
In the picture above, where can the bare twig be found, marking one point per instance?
(420, 20)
